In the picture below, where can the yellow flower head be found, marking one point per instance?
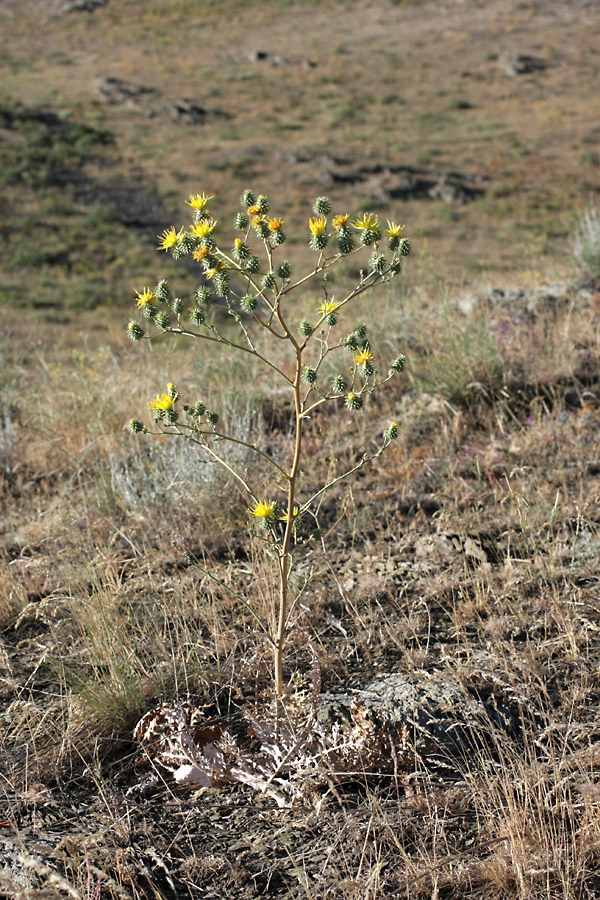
(198, 201)
(165, 401)
(317, 225)
(275, 224)
(203, 229)
(367, 222)
(264, 509)
(146, 297)
(237, 243)
(328, 307)
(255, 209)
(363, 357)
(169, 238)
(340, 221)
(285, 516)
(217, 270)
(393, 230)
(200, 253)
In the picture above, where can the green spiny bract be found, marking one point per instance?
(309, 375)
(149, 311)
(241, 221)
(391, 432)
(221, 284)
(361, 331)
(247, 198)
(135, 331)
(404, 247)
(278, 237)
(378, 263)
(339, 384)
(322, 206)
(212, 418)
(241, 250)
(261, 227)
(177, 306)
(267, 282)
(345, 241)
(350, 342)
(137, 427)
(197, 316)
(354, 401)
(366, 369)
(397, 364)
(252, 265)
(318, 241)
(163, 291)
(248, 303)
(305, 328)
(284, 270)
(163, 320)
(203, 296)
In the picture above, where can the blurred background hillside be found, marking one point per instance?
(475, 122)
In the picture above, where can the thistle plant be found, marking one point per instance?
(254, 286)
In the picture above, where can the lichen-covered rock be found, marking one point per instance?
(427, 716)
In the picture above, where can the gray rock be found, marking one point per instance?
(428, 713)
(115, 90)
(83, 5)
(520, 63)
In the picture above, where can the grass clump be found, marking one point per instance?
(586, 242)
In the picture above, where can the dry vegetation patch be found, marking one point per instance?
(467, 559)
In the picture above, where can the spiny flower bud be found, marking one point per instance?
(284, 270)
(163, 320)
(350, 342)
(163, 291)
(305, 328)
(345, 242)
(247, 198)
(397, 364)
(339, 384)
(278, 238)
(170, 416)
(203, 296)
(241, 221)
(177, 306)
(404, 247)
(378, 263)
(354, 401)
(267, 282)
(391, 432)
(221, 284)
(309, 375)
(148, 310)
(198, 409)
(136, 427)
(322, 206)
(249, 304)
(212, 418)
(361, 331)
(197, 316)
(241, 250)
(252, 265)
(135, 331)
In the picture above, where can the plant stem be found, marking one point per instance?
(284, 556)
